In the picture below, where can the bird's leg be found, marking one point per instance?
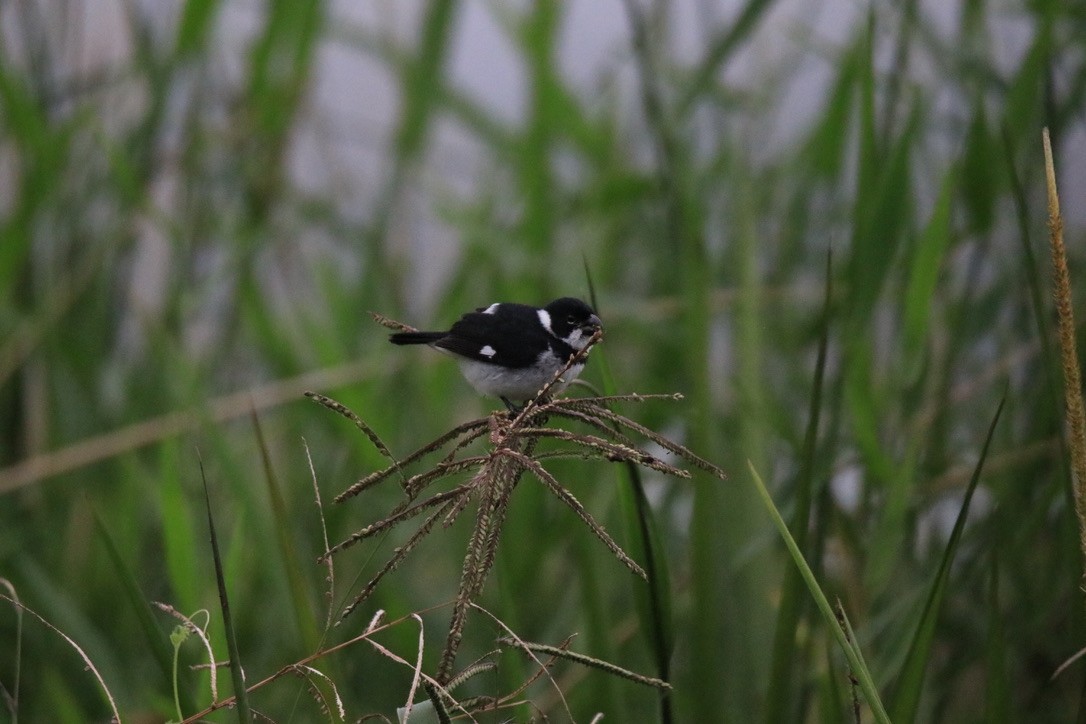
(513, 409)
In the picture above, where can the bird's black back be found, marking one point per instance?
(513, 332)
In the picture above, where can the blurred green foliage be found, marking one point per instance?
(168, 285)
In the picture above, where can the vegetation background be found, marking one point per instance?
(172, 278)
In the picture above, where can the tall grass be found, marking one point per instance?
(168, 283)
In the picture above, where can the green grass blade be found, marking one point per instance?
(155, 639)
(880, 213)
(911, 680)
(279, 67)
(924, 268)
(296, 578)
(645, 544)
(998, 704)
(1036, 283)
(179, 541)
(54, 601)
(830, 703)
(422, 79)
(43, 149)
(11, 695)
(780, 703)
(241, 696)
(197, 18)
(980, 187)
(1025, 93)
(722, 49)
(825, 149)
(539, 38)
(852, 652)
(684, 224)
(647, 548)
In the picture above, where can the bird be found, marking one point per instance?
(511, 351)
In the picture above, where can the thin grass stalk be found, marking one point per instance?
(1065, 324)
(723, 48)
(88, 663)
(1037, 303)
(296, 579)
(236, 674)
(672, 447)
(422, 79)
(91, 449)
(852, 652)
(330, 579)
(784, 639)
(505, 482)
(398, 557)
(11, 697)
(998, 701)
(562, 653)
(417, 483)
(131, 590)
(375, 626)
(577, 507)
(535, 167)
(489, 516)
(348, 413)
(658, 614)
(909, 687)
(607, 449)
(399, 515)
(853, 682)
(654, 600)
(590, 421)
(906, 34)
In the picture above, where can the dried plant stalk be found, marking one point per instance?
(1065, 320)
(509, 440)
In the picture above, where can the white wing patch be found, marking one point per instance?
(492, 309)
(545, 320)
(487, 350)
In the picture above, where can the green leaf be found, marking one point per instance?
(979, 185)
(779, 706)
(178, 533)
(645, 545)
(153, 634)
(998, 704)
(881, 209)
(851, 650)
(825, 147)
(911, 680)
(241, 696)
(422, 79)
(723, 47)
(296, 578)
(196, 20)
(924, 268)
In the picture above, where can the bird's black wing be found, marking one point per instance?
(511, 338)
(415, 337)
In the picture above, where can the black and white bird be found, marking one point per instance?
(512, 350)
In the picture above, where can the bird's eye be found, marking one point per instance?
(571, 319)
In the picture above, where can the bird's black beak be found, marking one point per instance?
(591, 325)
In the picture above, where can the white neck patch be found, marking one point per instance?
(545, 320)
(492, 309)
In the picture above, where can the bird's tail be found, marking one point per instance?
(415, 337)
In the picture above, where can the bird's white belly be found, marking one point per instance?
(517, 384)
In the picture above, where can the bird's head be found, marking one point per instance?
(570, 320)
